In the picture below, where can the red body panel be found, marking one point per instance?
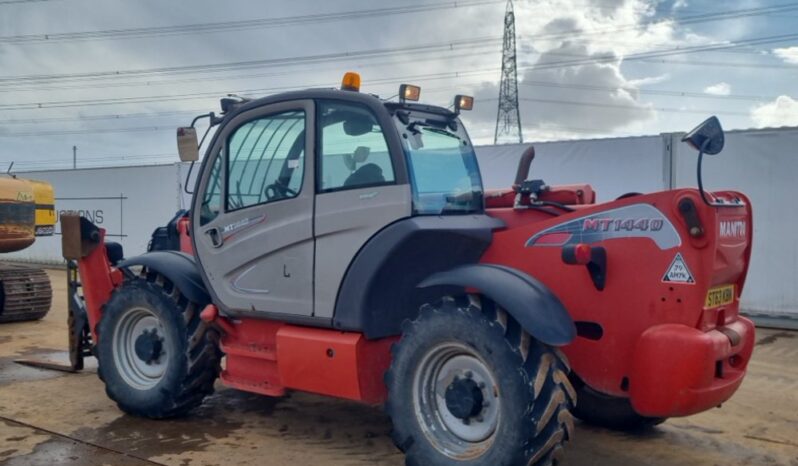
(678, 370)
(269, 357)
(96, 271)
(183, 228)
(341, 364)
(636, 306)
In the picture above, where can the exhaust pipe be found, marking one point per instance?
(523, 167)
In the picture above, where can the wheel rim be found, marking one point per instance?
(456, 401)
(140, 348)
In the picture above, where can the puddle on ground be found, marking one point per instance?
(65, 452)
(146, 438)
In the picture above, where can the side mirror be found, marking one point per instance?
(187, 145)
(707, 137)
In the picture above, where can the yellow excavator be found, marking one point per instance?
(27, 210)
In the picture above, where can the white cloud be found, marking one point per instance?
(788, 54)
(647, 81)
(781, 112)
(721, 88)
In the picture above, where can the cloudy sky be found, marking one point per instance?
(115, 77)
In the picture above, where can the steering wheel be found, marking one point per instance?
(278, 190)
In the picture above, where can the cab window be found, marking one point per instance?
(266, 160)
(354, 152)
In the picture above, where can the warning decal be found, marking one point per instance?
(678, 271)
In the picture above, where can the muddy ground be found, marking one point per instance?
(49, 418)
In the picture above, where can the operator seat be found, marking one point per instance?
(368, 174)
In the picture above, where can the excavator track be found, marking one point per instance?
(25, 293)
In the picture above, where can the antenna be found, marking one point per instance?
(508, 120)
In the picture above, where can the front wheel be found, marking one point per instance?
(156, 357)
(467, 386)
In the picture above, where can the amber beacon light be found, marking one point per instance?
(351, 82)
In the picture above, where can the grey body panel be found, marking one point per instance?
(529, 301)
(380, 289)
(265, 263)
(345, 221)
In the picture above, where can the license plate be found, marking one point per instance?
(720, 296)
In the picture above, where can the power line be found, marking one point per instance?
(701, 18)
(528, 83)
(137, 129)
(238, 25)
(358, 14)
(660, 92)
(10, 2)
(544, 66)
(664, 53)
(626, 107)
(198, 95)
(252, 63)
(414, 59)
(94, 159)
(430, 47)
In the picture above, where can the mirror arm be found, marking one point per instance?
(188, 177)
(700, 178)
(706, 200)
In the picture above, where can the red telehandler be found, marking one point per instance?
(342, 244)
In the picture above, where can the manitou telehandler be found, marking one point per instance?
(342, 244)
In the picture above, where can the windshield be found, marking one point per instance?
(443, 167)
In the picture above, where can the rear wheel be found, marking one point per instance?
(609, 411)
(156, 357)
(468, 386)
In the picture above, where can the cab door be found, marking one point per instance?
(253, 212)
(358, 192)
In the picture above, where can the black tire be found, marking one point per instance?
(609, 411)
(189, 350)
(531, 396)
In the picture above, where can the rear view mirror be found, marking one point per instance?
(706, 137)
(187, 145)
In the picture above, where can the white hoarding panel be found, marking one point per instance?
(763, 164)
(612, 166)
(129, 202)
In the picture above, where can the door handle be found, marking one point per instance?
(216, 237)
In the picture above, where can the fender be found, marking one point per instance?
(530, 302)
(178, 267)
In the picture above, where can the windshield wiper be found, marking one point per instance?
(443, 132)
(413, 128)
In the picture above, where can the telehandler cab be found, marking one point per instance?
(342, 244)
